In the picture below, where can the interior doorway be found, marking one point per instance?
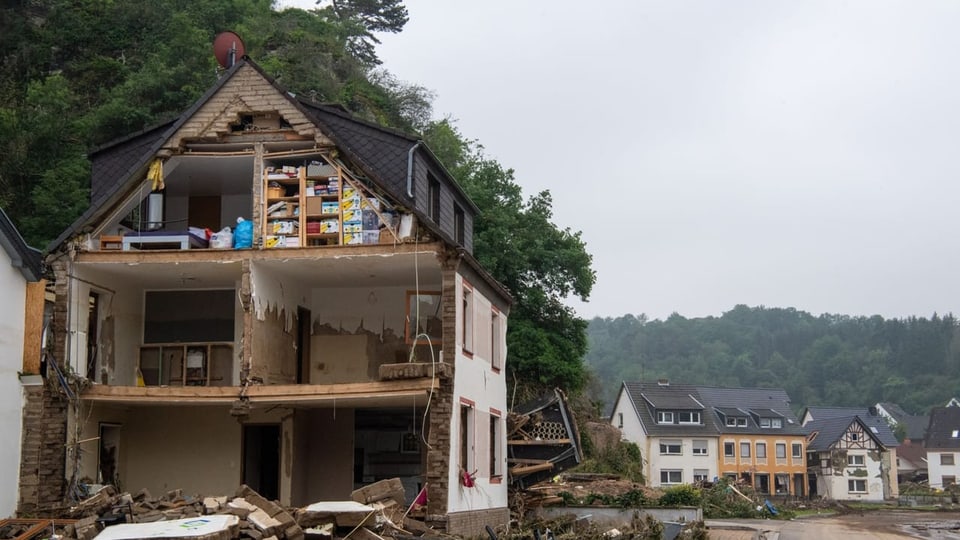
(261, 459)
(108, 455)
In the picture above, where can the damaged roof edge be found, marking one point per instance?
(22, 256)
(126, 180)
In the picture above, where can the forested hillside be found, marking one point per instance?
(76, 74)
(819, 360)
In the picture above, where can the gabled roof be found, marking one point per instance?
(22, 256)
(876, 425)
(381, 153)
(944, 423)
(754, 403)
(830, 430)
(894, 410)
(673, 397)
(914, 453)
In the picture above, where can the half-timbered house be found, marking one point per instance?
(850, 456)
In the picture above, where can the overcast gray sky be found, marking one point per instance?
(777, 153)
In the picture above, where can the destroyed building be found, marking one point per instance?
(348, 336)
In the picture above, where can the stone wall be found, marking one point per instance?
(42, 462)
(471, 524)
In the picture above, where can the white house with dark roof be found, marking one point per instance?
(22, 288)
(943, 446)
(673, 428)
(851, 454)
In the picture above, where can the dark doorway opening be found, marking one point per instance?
(812, 482)
(108, 455)
(303, 345)
(93, 331)
(261, 459)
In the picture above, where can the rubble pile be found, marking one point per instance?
(376, 511)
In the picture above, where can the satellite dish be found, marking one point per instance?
(227, 47)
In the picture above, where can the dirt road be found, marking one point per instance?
(882, 525)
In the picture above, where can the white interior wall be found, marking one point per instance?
(233, 207)
(14, 289)
(376, 309)
(271, 292)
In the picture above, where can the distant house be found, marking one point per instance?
(911, 456)
(943, 446)
(761, 440)
(20, 322)
(688, 434)
(851, 454)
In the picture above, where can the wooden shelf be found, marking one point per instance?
(293, 198)
(322, 235)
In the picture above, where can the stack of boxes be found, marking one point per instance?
(361, 225)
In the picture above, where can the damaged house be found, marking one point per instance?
(347, 336)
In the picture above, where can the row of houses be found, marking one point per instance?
(333, 331)
(691, 433)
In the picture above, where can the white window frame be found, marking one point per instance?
(765, 422)
(694, 417)
(664, 417)
(620, 420)
(776, 422)
(468, 436)
(671, 447)
(700, 447)
(794, 450)
(733, 449)
(701, 475)
(852, 485)
(952, 459)
(667, 473)
(856, 460)
(745, 445)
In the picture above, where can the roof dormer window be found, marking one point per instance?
(664, 417)
(736, 421)
(688, 417)
(771, 422)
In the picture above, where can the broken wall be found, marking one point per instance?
(196, 449)
(323, 452)
(274, 340)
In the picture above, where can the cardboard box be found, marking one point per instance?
(371, 203)
(353, 215)
(329, 226)
(371, 237)
(371, 221)
(350, 203)
(314, 206)
(352, 227)
(329, 207)
(313, 227)
(350, 192)
(352, 238)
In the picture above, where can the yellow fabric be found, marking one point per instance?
(155, 175)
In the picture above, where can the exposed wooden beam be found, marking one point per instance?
(33, 326)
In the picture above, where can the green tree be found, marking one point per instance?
(541, 264)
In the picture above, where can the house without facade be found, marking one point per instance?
(20, 327)
(852, 454)
(943, 447)
(692, 433)
(354, 338)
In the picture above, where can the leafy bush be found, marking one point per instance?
(623, 459)
(683, 495)
(721, 502)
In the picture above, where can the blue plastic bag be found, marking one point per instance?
(243, 234)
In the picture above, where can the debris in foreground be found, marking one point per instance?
(377, 511)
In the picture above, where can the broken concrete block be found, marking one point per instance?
(263, 522)
(251, 533)
(211, 505)
(324, 532)
(364, 533)
(343, 513)
(142, 495)
(385, 489)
